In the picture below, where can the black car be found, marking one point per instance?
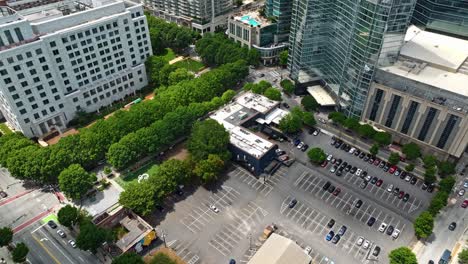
(286, 105)
(430, 189)
(363, 174)
(348, 168)
(338, 144)
(357, 152)
(414, 180)
(396, 191)
(292, 203)
(339, 161)
(403, 175)
(358, 204)
(348, 148)
(344, 164)
(342, 230)
(179, 192)
(52, 224)
(374, 180)
(311, 131)
(362, 155)
(326, 185)
(353, 170)
(376, 251)
(371, 221)
(386, 167)
(331, 188)
(304, 147)
(382, 164)
(363, 185)
(367, 157)
(3, 194)
(331, 223)
(336, 239)
(452, 226)
(406, 197)
(339, 172)
(424, 186)
(389, 230)
(344, 146)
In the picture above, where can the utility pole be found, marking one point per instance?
(163, 235)
(250, 241)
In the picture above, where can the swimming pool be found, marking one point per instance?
(250, 20)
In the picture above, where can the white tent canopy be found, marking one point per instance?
(321, 95)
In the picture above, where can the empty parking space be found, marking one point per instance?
(264, 184)
(201, 215)
(346, 202)
(316, 223)
(238, 229)
(184, 252)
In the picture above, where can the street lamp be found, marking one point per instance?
(163, 236)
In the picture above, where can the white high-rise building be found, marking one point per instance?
(69, 56)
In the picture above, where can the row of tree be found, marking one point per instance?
(295, 120)
(207, 146)
(165, 34)
(265, 88)
(217, 49)
(19, 251)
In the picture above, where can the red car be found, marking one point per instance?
(379, 183)
(324, 164)
(401, 194)
(464, 204)
(337, 191)
(392, 169)
(376, 162)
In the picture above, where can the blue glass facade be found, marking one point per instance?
(342, 42)
(280, 10)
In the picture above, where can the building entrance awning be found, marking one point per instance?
(321, 95)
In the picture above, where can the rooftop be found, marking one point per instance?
(252, 18)
(137, 230)
(322, 97)
(280, 250)
(256, 102)
(435, 49)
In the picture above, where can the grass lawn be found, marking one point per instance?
(189, 64)
(49, 217)
(4, 129)
(126, 179)
(169, 55)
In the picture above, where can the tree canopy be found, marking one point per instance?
(290, 123)
(316, 155)
(411, 151)
(273, 94)
(423, 225)
(75, 181)
(208, 137)
(139, 197)
(394, 158)
(91, 237)
(6, 235)
(383, 138)
(463, 256)
(20, 252)
(374, 150)
(68, 215)
(161, 258)
(128, 258)
(309, 103)
(287, 86)
(402, 255)
(209, 169)
(283, 58)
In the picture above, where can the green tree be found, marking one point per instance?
(208, 137)
(374, 150)
(290, 123)
(446, 184)
(107, 170)
(351, 123)
(287, 86)
(366, 131)
(248, 86)
(181, 74)
(209, 169)
(429, 161)
(308, 119)
(394, 158)
(68, 215)
(423, 225)
(383, 138)
(167, 176)
(446, 168)
(162, 258)
(402, 255)
(309, 103)
(139, 197)
(337, 117)
(6, 235)
(463, 256)
(273, 94)
(20, 253)
(316, 155)
(409, 167)
(261, 87)
(74, 181)
(283, 58)
(91, 237)
(438, 202)
(429, 175)
(128, 258)
(411, 151)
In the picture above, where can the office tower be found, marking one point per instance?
(280, 11)
(341, 42)
(446, 17)
(201, 15)
(79, 56)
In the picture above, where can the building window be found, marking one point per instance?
(376, 104)
(19, 35)
(9, 37)
(427, 123)
(447, 131)
(393, 110)
(409, 117)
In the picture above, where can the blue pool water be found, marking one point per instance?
(250, 20)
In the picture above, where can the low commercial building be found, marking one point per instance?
(280, 250)
(252, 30)
(249, 148)
(423, 97)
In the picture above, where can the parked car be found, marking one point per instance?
(382, 164)
(363, 184)
(3, 194)
(390, 188)
(401, 194)
(362, 155)
(342, 230)
(353, 170)
(338, 162)
(333, 169)
(324, 164)
(307, 250)
(376, 251)
(406, 197)
(216, 210)
(403, 174)
(396, 191)
(285, 105)
(283, 158)
(61, 233)
(52, 224)
(377, 162)
(424, 186)
(348, 168)
(331, 189)
(339, 172)
(337, 191)
(329, 157)
(366, 157)
(379, 183)
(330, 235)
(304, 147)
(366, 244)
(316, 132)
(333, 142)
(382, 227)
(390, 230)
(311, 131)
(395, 233)
(351, 151)
(358, 204)
(464, 204)
(292, 203)
(296, 141)
(358, 172)
(336, 239)
(414, 180)
(408, 178)
(331, 223)
(461, 192)
(326, 185)
(364, 174)
(392, 169)
(357, 152)
(452, 226)
(300, 145)
(368, 178)
(359, 241)
(397, 172)
(72, 243)
(374, 180)
(430, 188)
(371, 160)
(280, 152)
(371, 221)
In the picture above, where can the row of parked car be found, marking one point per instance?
(61, 233)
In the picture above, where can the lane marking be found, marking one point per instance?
(46, 249)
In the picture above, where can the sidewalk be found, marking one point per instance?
(5, 257)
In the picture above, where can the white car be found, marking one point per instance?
(382, 227)
(333, 169)
(408, 178)
(316, 132)
(360, 241)
(390, 188)
(366, 244)
(461, 192)
(72, 243)
(307, 250)
(358, 172)
(368, 178)
(465, 183)
(61, 233)
(330, 157)
(214, 208)
(300, 145)
(395, 233)
(322, 120)
(351, 151)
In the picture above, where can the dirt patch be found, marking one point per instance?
(178, 152)
(169, 252)
(56, 139)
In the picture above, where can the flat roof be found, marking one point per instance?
(321, 95)
(256, 102)
(252, 18)
(137, 229)
(450, 81)
(436, 49)
(280, 250)
(249, 142)
(274, 117)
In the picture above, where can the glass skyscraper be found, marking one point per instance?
(443, 16)
(342, 41)
(280, 10)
